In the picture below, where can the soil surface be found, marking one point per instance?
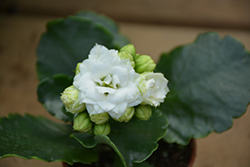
(167, 155)
(172, 155)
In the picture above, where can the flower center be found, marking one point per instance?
(108, 84)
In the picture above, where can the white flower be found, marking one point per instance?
(107, 83)
(153, 87)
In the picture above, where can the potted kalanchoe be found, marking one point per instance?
(117, 105)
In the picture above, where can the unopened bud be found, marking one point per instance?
(144, 63)
(100, 118)
(102, 129)
(127, 116)
(143, 112)
(125, 55)
(77, 70)
(69, 98)
(129, 48)
(82, 122)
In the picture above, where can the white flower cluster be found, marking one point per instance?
(114, 83)
(107, 83)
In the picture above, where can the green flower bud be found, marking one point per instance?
(127, 116)
(144, 63)
(82, 122)
(125, 55)
(77, 70)
(129, 48)
(69, 98)
(143, 112)
(102, 129)
(99, 118)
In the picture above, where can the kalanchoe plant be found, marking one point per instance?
(93, 78)
(107, 84)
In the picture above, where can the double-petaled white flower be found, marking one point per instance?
(107, 83)
(153, 87)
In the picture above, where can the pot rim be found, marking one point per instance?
(193, 153)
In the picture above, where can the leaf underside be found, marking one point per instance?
(209, 86)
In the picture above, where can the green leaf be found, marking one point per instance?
(209, 86)
(118, 163)
(134, 141)
(69, 41)
(49, 91)
(38, 138)
(85, 139)
(143, 164)
(119, 39)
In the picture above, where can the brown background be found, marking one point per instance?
(153, 26)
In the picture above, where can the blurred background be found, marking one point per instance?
(152, 26)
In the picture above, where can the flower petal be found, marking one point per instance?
(115, 81)
(106, 106)
(96, 51)
(118, 111)
(107, 79)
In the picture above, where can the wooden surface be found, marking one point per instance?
(19, 36)
(213, 13)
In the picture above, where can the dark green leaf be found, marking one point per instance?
(134, 141)
(69, 41)
(38, 138)
(118, 163)
(85, 139)
(143, 164)
(209, 86)
(119, 40)
(49, 92)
